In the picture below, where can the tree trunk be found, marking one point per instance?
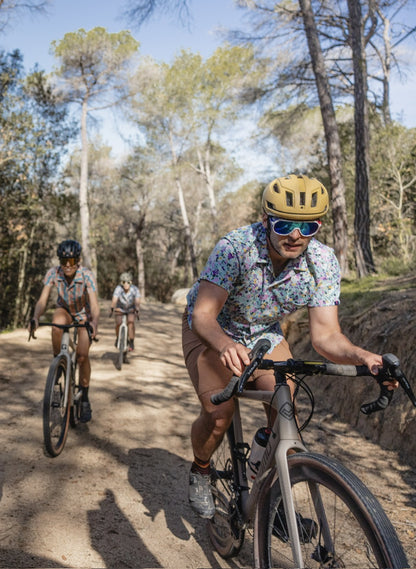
(83, 191)
(205, 171)
(333, 144)
(141, 280)
(187, 228)
(386, 66)
(21, 279)
(364, 256)
(188, 235)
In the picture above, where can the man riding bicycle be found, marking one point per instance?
(254, 277)
(77, 300)
(126, 299)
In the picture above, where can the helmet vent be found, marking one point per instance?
(289, 199)
(276, 188)
(314, 199)
(302, 199)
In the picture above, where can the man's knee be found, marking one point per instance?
(217, 420)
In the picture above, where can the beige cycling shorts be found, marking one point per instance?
(219, 375)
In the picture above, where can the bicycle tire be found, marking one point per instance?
(55, 413)
(225, 528)
(361, 532)
(75, 409)
(122, 340)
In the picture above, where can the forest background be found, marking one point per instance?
(313, 78)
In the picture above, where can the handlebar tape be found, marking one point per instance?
(227, 393)
(346, 370)
(383, 401)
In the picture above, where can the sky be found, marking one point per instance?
(161, 38)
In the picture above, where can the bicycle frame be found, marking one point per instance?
(67, 342)
(284, 437)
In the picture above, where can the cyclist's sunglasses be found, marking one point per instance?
(285, 226)
(71, 261)
(125, 282)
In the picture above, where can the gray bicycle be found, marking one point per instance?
(306, 510)
(62, 395)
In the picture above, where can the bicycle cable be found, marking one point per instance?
(301, 384)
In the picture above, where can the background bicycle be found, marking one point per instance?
(62, 395)
(308, 511)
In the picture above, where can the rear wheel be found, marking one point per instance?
(341, 523)
(225, 528)
(55, 409)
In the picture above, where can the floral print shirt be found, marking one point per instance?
(257, 300)
(126, 300)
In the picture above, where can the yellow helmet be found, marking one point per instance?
(295, 197)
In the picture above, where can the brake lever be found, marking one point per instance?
(394, 366)
(256, 355)
(391, 370)
(90, 331)
(31, 331)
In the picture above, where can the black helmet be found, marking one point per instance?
(69, 249)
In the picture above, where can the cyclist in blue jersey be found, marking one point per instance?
(254, 277)
(77, 300)
(126, 298)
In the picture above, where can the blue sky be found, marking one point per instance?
(161, 38)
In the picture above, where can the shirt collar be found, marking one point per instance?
(77, 276)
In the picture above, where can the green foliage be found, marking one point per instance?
(34, 132)
(92, 63)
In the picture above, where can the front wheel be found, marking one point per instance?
(55, 409)
(340, 522)
(122, 343)
(225, 528)
(75, 410)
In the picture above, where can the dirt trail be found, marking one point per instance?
(116, 497)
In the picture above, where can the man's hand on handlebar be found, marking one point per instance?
(235, 357)
(375, 364)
